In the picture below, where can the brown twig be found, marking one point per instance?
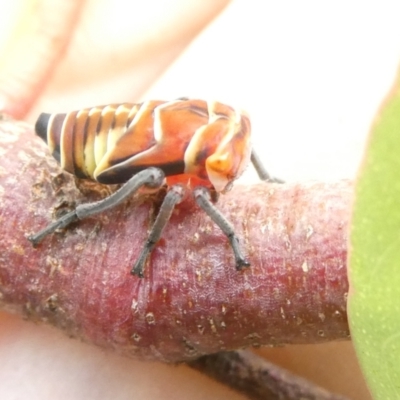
(259, 379)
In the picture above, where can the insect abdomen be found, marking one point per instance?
(81, 139)
(41, 127)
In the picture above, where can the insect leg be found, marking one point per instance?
(261, 171)
(203, 199)
(151, 177)
(173, 197)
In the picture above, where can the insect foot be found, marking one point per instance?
(203, 199)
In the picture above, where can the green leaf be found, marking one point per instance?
(374, 260)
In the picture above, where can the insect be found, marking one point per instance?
(187, 144)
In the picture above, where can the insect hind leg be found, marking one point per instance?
(151, 177)
(203, 199)
(173, 197)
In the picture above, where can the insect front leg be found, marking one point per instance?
(203, 199)
(261, 171)
(173, 197)
(151, 177)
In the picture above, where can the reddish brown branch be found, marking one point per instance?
(192, 301)
(258, 378)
